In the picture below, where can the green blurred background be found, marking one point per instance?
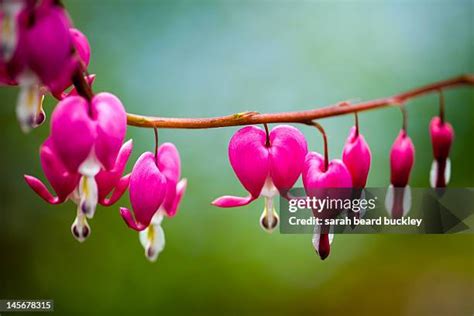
(207, 58)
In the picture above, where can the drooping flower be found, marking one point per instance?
(87, 137)
(67, 184)
(356, 156)
(402, 158)
(155, 191)
(40, 53)
(265, 166)
(319, 178)
(442, 135)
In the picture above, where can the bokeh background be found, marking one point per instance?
(208, 58)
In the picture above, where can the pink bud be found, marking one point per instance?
(356, 156)
(402, 157)
(442, 135)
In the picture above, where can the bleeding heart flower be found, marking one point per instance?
(69, 185)
(87, 137)
(442, 135)
(356, 156)
(319, 177)
(155, 191)
(265, 168)
(402, 158)
(39, 54)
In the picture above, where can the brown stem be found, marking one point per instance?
(404, 117)
(267, 133)
(441, 105)
(325, 139)
(155, 129)
(251, 118)
(356, 118)
(81, 85)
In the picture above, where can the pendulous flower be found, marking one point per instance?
(266, 165)
(319, 177)
(155, 191)
(356, 156)
(402, 158)
(66, 184)
(442, 135)
(40, 53)
(87, 137)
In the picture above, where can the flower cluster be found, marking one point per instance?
(85, 155)
(268, 164)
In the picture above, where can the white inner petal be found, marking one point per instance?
(269, 190)
(88, 194)
(269, 218)
(91, 166)
(447, 171)
(153, 237)
(433, 173)
(317, 236)
(30, 99)
(80, 229)
(389, 199)
(406, 200)
(9, 34)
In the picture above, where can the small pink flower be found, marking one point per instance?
(265, 169)
(87, 137)
(442, 135)
(69, 185)
(38, 54)
(356, 156)
(402, 158)
(155, 191)
(318, 177)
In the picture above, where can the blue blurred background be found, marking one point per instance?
(209, 58)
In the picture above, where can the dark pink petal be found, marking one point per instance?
(233, 201)
(180, 189)
(41, 190)
(111, 127)
(147, 190)
(249, 158)
(288, 150)
(169, 164)
(442, 135)
(119, 190)
(108, 180)
(130, 221)
(81, 43)
(49, 43)
(314, 176)
(72, 131)
(402, 157)
(356, 156)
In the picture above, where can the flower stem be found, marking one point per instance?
(252, 118)
(155, 129)
(325, 139)
(267, 133)
(441, 105)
